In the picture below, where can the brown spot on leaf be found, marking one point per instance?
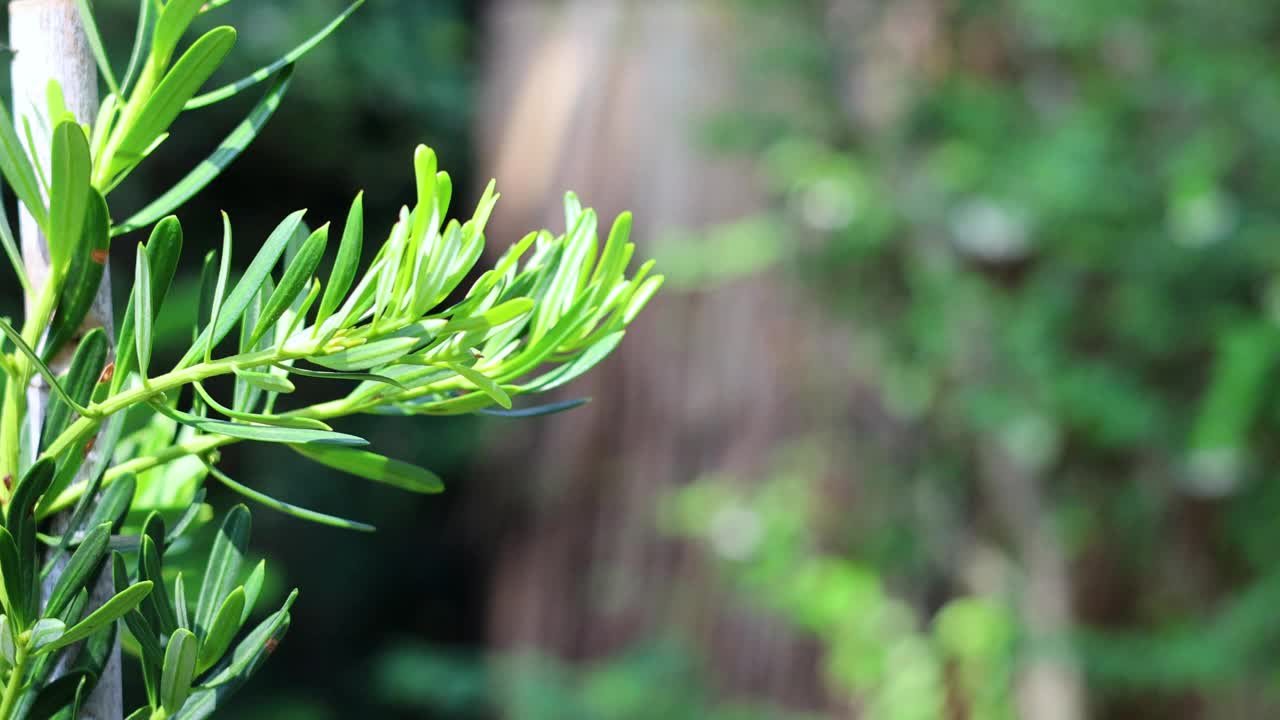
(108, 372)
(99, 256)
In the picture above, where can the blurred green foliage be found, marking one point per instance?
(1049, 230)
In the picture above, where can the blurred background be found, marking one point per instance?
(959, 401)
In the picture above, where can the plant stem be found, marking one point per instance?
(14, 687)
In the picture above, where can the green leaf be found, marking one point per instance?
(226, 623)
(261, 433)
(16, 167)
(641, 298)
(180, 602)
(83, 277)
(580, 364)
(266, 381)
(95, 43)
(111, 610)
(149, 568)
(289, 508)
(8, 644)
(265, 72)
(219, 293)
(244, 662)
(344, 267)
(113, 504)
(164, 247)
(483, 383)
(15, 583)
(143, 315)
(247, 288)
(175, 18)
(179, 670)
(375, 467)
(141, 42)
(16, 338)
(255, 647)
(11, 250)
(491, 318)
(296, 276)
(79, 570)
(253, 588)
(21, 522)
(160, 110)
(45, 632)
(334, 375)
(211, 167)
(141, 628)
(69, 195)
(537, 411)
(369, 355)
(188, 516)
(59, 699)
(222, 572)
(82, 376)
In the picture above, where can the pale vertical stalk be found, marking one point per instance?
(49, 42)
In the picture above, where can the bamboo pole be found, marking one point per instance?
(49, 42)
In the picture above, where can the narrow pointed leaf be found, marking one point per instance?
(297, 275)
(82, 376)
(335, 375)
(180, 602)
(483, 383)
(344, 266)
(164, 248)
(190, 72)
(250, 283)
(222, 572)
(261, 433)
(149, 568)
(266, 381)
(141, 41)
(289, 508)
(142, 311)
(580, 364)
(95, 44)
(16, 167)
(83, 277)
(245, 661)
(179, 670)
(11, 250)
(111, 610)
(375, 467)
(16, 338)
(211, 167)
(69, 194)
(15, 584)
(226, 623)
(172, 23)
(538, 411)
(265, 72)
(79, 570)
